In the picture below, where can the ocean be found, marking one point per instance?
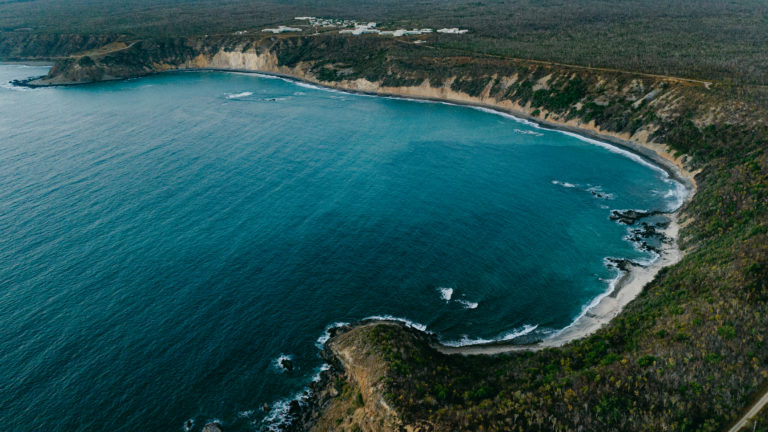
(164, 241)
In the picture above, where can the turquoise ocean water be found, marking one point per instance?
(163, 241)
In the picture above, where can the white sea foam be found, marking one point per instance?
(679, 190)
(599, 190)
(262, 75)
(277, 417)
(312, 86)
(279, 361)
(506, 115)
(12, 87)
(426, 101)
(246, 414)
(468, 304)
(239, 95)
(618, 150)
(563, 184)
(645, 262)
(612, 283)
(322, 369)
(407, 322)
(528, 132)
(446, 293)
(508, 336)
(320, 343)
(586, 308)
(294, 81)
(678, 193)
(189, 424)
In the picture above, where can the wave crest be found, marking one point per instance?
(508, 336)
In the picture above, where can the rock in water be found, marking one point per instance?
(286, 364)
(628, 217)
(212, 427)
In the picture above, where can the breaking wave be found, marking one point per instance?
(407, 322)
(563, 184)
(446, 293)
(506, 337)
(239, 95)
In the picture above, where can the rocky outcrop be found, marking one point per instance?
(351, 394)
(629, 217)
(212, 427)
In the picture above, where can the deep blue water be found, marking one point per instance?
(164, 240)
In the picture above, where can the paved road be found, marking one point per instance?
(742, 423)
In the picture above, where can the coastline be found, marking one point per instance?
(603, 308)
(628, 285)
(631, 281)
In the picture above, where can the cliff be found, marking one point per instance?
(352, 394)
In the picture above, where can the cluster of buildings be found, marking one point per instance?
(327, 22)
(371, 28)
(282, 29)
(356, 28)
(453, 30)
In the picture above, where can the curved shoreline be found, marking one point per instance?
(630, 282)
(602, 308)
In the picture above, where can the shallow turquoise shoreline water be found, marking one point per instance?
(163, 241)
